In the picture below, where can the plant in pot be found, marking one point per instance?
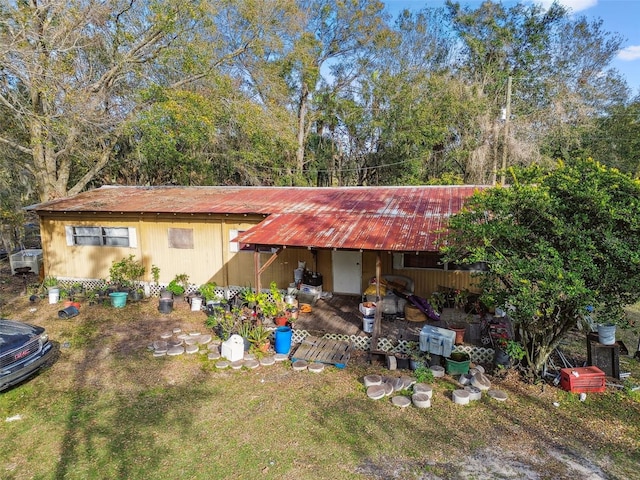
(259, 339)
(50, 282)
(208, 292)
(416, 356)
(280, 314)
(244, 329)
(508, 353)
(126, 274)
(178, 285)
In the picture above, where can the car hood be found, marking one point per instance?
(14, 334)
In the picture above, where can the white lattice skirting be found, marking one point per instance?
(476, 354)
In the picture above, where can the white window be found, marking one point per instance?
(102, 236)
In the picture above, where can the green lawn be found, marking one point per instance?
(107, 409)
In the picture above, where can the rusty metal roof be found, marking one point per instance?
(364, 218)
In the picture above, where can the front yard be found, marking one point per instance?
(108, 409)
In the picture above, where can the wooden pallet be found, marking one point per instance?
(324, 350)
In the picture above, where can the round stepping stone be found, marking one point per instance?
(165, 335)
(194, 334)
(160, 345)
(249, 356)
(401, 401)
(174, 351)
(204, 339)
(465, 379)
(222, 364)
(190, 341)
(392, 363)
(421, 400)
(174, 342)
(460, 397)
(408, 382)
(161, 353)
(214, 347)
(299, 365)
(398, 384)
(376, 392)
(388, 388)
(280, 357)
(177, 330)
(251, 364)
(423, 388)
(213, 356)
(479, 368)
(266, 361)
(316, 367)
(437, 370)
(237, 365)
(498, 395)
(481, 381)
(182, 336)
(192, 348)
(474, 393)
(370, 380)
(150, 347)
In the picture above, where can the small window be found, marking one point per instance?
(235, 246)
(181, 238)
(101, 236)
(432, 260)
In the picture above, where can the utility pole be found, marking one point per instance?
(506, 132)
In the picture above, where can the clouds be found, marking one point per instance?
(573, 6)
(632, 52)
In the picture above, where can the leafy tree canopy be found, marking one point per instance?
(555, 242)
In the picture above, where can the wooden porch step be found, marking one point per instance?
(324, 350)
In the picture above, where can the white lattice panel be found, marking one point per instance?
(476, 354)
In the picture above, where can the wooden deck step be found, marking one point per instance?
(324, 350)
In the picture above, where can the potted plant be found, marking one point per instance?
(259, 339)
(208, 291)
(280, 307)
(244, 329)
(126, 274)
(178, 285)
(416, 356)
(508, 353)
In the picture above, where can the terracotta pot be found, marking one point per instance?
(460, 330)
(280, 321)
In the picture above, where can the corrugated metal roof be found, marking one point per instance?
(366, 218)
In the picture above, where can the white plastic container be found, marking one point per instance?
(233, 348)
(367, 309)
(54, 295)
(196, 304)
(367, 324)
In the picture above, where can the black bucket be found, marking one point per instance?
(68, 312)
(165, 305)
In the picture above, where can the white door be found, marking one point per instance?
(347, 271)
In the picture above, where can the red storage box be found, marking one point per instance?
(582, 380)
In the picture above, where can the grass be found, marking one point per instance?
(107, 409)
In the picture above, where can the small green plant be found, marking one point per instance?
(179, 284)
(423, 374)
(258, 336)
(208, 291)
(127, 272)
(50, 281)
(514, 349)
(155, 273)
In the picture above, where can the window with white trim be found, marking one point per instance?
(101, 236)
(432, 261)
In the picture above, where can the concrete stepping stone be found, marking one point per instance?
(376, 392)
(423, 388)
(299, 365)
(474, 393)
(162, 353)
(190, 341)
(165, 335)
(408, 381)
(498, 395)
(280, 357)
(388, 388)
(267, 361)
(398, 384)
(204, 339)
(316, 367)
(249, 356)
(237, 365)
(465, 379)
(222, 364)
(213, 356)
(401, 401)
(182, 336)
(437, 370)
(421, 400)
(174, 342)
(150, 347)
(194, 334)
(160, 345)
(174, 351)
(481, 381)
(177, 330)
(214, 347)
(370, 380)
(251, 364)
(192, 348)
(460, 397)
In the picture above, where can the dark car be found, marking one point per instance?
(24, 349)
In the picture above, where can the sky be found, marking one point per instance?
(618, 16)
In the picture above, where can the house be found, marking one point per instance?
(248, 236)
